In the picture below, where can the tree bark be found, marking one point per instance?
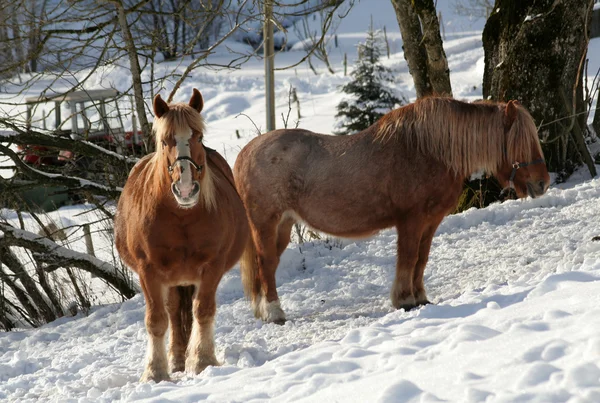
(437, 64)
(136, 72)
(423, 46)
(534, 53)
(6, 53)
(414, 53)
(596, 121)
(18, 41)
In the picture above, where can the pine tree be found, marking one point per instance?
(369, 99)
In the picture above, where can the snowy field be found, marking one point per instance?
(515, 286)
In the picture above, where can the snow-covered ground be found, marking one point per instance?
(516, 286)
(516, 289)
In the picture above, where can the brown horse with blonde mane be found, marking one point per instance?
(407, 170)
(180, 225)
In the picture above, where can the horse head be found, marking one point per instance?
(523, 169)
(179, 134)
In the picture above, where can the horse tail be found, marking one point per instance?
(249, 270)
(186, 317)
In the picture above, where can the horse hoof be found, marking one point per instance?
(178, 366)
(195, 367)
(271, 312)
(407, 307)
(156, 376)
(423, 303)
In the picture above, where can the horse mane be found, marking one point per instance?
(180, 118)
(466, 137)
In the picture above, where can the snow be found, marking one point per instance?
(516, 292)
(515, 287)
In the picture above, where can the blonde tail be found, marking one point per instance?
(249, 269)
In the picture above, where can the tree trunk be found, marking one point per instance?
(414, 53)
(437, 64)
(423, 46)
(136, 73)
(18, 42)
(534, 53)
(596, 121)
(5, 45)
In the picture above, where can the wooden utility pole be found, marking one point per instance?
(269, 53)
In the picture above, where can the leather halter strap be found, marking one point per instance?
(516, 166)
(185, 158)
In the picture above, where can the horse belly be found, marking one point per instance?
(346, 221)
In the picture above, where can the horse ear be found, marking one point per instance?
(196, 101)
(160, 106)
(510, 114)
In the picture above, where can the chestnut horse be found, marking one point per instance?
(180, 223)
(407, 170)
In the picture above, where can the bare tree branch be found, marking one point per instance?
(56, 256)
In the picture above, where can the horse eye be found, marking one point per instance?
(199, 139)
(164, 143)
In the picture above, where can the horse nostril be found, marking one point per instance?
(175, 190)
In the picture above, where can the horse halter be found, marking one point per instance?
(171, 167)
(515, 166)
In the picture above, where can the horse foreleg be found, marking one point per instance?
(201, 347)
(157, 323)
(179, 307)
(424, 249)
(402, 293)
(418, 285)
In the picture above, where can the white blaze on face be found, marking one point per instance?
(185, 183)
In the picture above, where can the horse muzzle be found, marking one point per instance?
(186, 196)
(536, 189)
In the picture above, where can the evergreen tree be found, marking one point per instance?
(369, 99)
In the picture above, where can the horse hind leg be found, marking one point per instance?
(157, 323)
(179, 307)
(272, 241)
(201, 347)
(284, 233)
